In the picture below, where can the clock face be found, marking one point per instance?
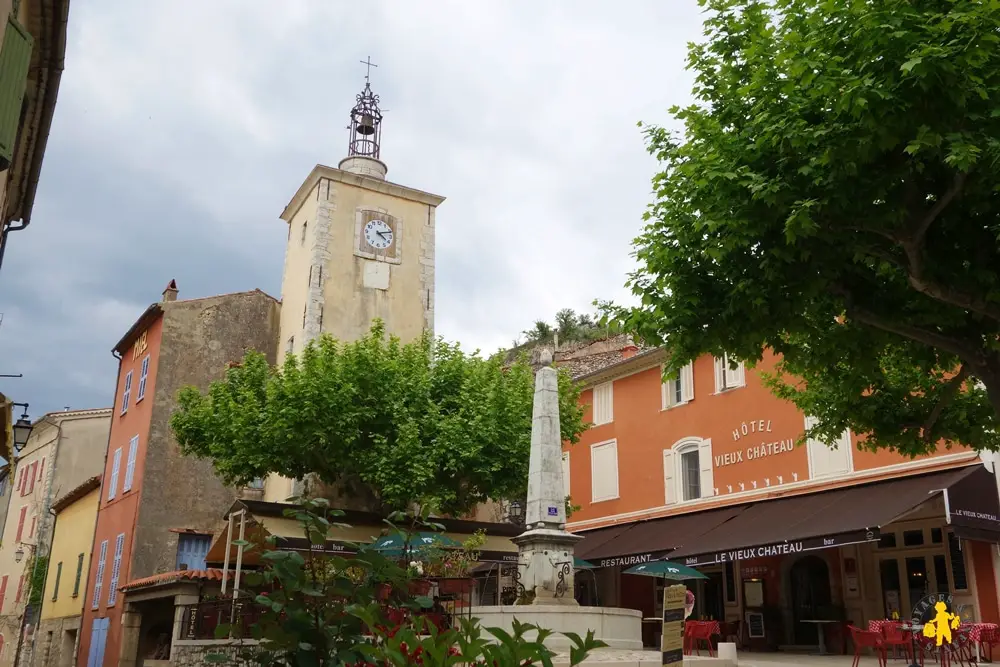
(378, 234)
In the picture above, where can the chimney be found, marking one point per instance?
(170, 294)
(629, 351)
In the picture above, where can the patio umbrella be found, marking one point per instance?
(666, 570)
(394, 544)
(580, 564)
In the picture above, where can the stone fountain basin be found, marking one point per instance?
(618, 628)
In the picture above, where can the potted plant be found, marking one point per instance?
(451, 567)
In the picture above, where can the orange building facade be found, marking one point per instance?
(706, 470)
(118, 510)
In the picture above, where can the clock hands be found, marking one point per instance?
(382, 234)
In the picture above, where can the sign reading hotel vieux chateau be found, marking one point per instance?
(756, 442)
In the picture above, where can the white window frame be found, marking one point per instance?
(726, 378)
(603, 403)
(673, 470)
(133, 449)
(126, 392)
(844, 443)
(593, 470)
(143, 374)
(668, 388)
(116, 466)
(566, 470)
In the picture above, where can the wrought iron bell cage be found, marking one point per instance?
(366, 125)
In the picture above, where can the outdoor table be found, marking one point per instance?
(820, 630)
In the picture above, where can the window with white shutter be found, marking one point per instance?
(142, 379)
(829, 459)
(604, 471)
(126, 392)
(99, 577)
(116, 569)
(604, 402)
(678, 390)
(116, 465)
(687, 470)
(669, 488)
(729, 374)
(133, 448)
(565, 470)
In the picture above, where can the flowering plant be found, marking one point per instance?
(689, 599)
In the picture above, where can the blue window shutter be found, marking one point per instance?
(15, 57)
(192, 550)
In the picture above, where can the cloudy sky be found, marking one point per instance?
(183, 127)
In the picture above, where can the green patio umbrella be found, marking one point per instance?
(394, 544)
(666, 570)
(580, 564)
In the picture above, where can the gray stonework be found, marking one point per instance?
(545, 548)
(427, 242)
(56, 642)
(319, 258)
(200, 337)
(192, 653)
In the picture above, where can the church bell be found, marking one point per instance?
(366, 124)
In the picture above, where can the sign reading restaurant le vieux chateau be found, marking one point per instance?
(763, 449)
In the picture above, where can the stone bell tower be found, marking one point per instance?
(359, 247)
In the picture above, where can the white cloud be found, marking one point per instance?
(184, 126)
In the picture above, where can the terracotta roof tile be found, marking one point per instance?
(77, 493)
(211, 574)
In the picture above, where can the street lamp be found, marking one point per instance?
(515, 512)
(19, 554)
(22, 428)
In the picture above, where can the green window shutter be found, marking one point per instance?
(15, 57)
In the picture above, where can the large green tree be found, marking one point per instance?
(835, 196)
(420, 422)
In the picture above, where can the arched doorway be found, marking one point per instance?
(809, 580)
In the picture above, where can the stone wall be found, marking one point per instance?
(200, 338)
(56, 642)
(191, 653)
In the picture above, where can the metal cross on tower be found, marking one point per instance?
(369, 64)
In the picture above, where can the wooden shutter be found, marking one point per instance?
(20, 588)
(15, 58)
(604, 471)
(603, 404)
(705, 462)
(79, 575)
(116, 467)
(565, 471)
(116, 568)
(687, 382)
(20, 523)
(99, 577)
(3, 592)
(133, 447)
(669, 495)
(55, 588)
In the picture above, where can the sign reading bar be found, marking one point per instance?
(672, 639)
(782, 548)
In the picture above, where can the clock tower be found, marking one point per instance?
(359, 246)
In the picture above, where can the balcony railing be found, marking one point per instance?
(202, 620)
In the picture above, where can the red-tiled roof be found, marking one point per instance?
(211, 574)
(76, 494)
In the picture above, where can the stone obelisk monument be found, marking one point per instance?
(546, 549)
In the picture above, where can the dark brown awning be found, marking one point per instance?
(822, 520)
(647, 540)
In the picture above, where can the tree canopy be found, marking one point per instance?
(420, 422)
(834, 197)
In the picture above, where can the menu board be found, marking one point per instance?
(755, 624)
(672, 642)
